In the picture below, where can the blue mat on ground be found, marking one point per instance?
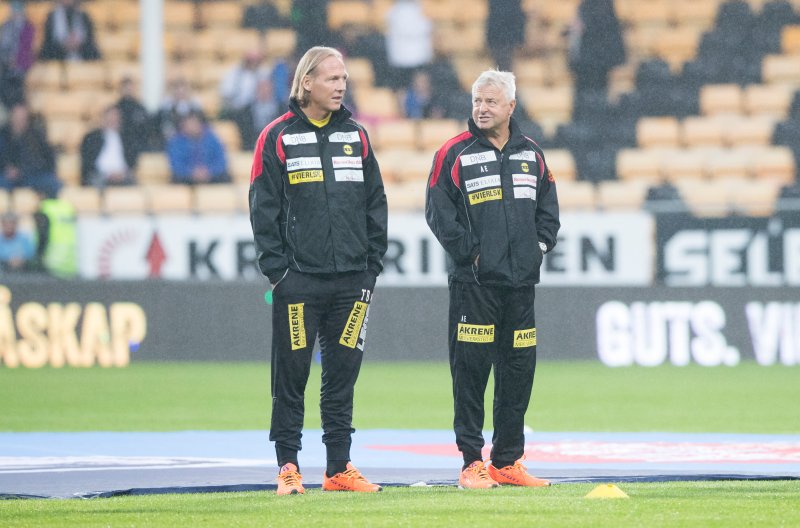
(101, 464)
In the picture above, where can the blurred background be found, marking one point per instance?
(672, 128)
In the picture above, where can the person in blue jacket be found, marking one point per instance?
(196, 155)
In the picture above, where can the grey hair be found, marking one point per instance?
(501, 79)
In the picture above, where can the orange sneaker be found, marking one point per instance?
(516, 475)
(289, 481)
(349, 480)
(476, 477)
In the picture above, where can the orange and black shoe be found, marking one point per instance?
(516, 475)
(349, 480)
(475, 476)
(290, 482)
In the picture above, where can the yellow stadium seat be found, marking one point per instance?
(619, 195)
(657, 132)
(118, 46)
(240, 164)
(5, 201)
(24, 201)
(685, 164)
(678, 45)
(118, 70)
(395, 134)
(531, 72)
(434, 132)
(87, 75)
(123, 14)
(85, 200)
(343, 12)
(237, 43)
(561, 164)
(774, 163)
(68, 168)
(124, 200)
(697, 13)
(153, 168)
(216, 198)
(552, 104)
(226, 14)
(228, 134)
(781, 69)
(637, 164)
(468, 69)
(749, 131)
(360, 72)
(406, 196)
(728, 164)
(702, 132)
(179, 15)
(790, 39)
(471, 12)
(392, 163)
(705, 198)
(416, 166)
(439, 10)
(377, 103)
(721, 99)
(280, 43)
(755, 197)
(243, 196)
(768, 99)
(50, 76)
(169, 198)
(65, 133)
(576, 195)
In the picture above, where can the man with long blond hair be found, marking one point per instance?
(318, 212)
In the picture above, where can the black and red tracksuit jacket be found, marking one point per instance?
(317, 203)
(499, 204)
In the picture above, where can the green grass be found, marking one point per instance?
(567, 397)
(697, 504)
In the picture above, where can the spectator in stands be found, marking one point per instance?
(57, 236)
(69, 34)
(136, 123)
(261, 112)
(179, 103)
(263, 15)
(196, 154)
(419, 101)
(238, 86)
(505, 31)
(16, 248)
(409, 40)
(309, 18)
(106, 157)
(26, 158)
(16, 53)
(595, 46)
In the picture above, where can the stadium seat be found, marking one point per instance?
(774, 163)
(650, 13)
(771, 100)
(118, 70)
(24, 201)
(65, 134)
(179, 15)
(468, 68)
(239, 42)
(637, 164)
(64, 105)
(728, 164)
(781, 69)
(240, 164)
(5, 201)
(243, 196)
(721, 99)
(705, 198)
(49, 76)
(124, 200)
(657, 132)
(118, 46)
(377, 103)
(433, 133)
(790, 39)
(395, 134)
(342, 12)
(414, 167)
(216, 198)
(749, 131)
(406, 196)
(561, 164)
(85, 200)
(684, 164)
(152, 168)
(755, 197)
(280, 42)
(575, 195)
(123, 15)
(228, 134)
(227, 14)
(86, 75)
(471, 12)
(531, 72)
(697, 13)
(169, 198)
(360, 73)
(621, 195)
(678, 45)
(548, 105)
(702, 132)
(68, 168)
(555, 13)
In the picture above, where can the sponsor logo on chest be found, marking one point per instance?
(300, 139)
(344, 137)
(483, 182)
(485, 196)
(478, 157)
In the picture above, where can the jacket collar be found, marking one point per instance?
(336, 117)
(515, 137)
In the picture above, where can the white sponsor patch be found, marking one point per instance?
(482, 183)
(295, 164)
(478, 157)
(346, 162)
(524, 179)
(525, 192)
(344, 137)
(300, 139)
(527, 155)
(349, 175)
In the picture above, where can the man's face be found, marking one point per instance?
(326, 87)
(491, 109)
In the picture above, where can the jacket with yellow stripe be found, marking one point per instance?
(317, 203)
(499, 204)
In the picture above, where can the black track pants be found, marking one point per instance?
(333, 306)
(491, 326)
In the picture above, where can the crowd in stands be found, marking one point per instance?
(421, 67)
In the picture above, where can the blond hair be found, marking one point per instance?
(308, 63)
